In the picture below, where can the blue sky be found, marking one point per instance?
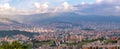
(74, 2)
(27, 4)
(98, 7)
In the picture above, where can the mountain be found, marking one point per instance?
(85, 21)
(7, 22)
(10, 33)
(74, 19)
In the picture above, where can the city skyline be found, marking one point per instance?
(59, 24)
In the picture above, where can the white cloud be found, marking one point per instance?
(82, 3)
(6, 9)
(37, 5)
(100, 7)
(33, 6)
(41, 8)
(4, 1)
(5, 6)
(66, 6)
(110, 1)
(98, 1)
(117, 8)
(107, 1)
(45, 6)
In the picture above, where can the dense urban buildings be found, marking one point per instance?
(59, 24)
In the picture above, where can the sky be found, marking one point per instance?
(29, 4)
(52, 3)
(89, 7)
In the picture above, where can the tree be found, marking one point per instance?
(14, 45)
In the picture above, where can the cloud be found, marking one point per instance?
(98, 1)
(108, 1)
(104, 1)
(4, 1)
(100, 7)
(83, 3)
(37, 5)
(6, 9)
(66, 6)
(117, 8)
(14, 7)
(41, 8)
(5, 6)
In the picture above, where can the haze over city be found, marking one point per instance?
(59, 24)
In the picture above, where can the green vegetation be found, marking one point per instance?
(107, 41)
(14, 45)
(43, 43)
